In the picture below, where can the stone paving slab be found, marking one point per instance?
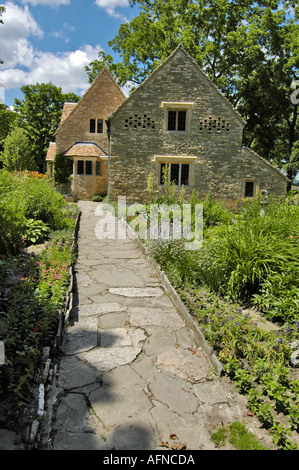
(131, 373)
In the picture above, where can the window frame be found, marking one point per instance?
(179, 180)
(249, 182)
(84, 170)
(98, 168)
(81, 173)
(177, 107)
(177, 121)
(97, 124)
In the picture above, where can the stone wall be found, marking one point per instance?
(100, 100)
(86, 186)
(212, 142)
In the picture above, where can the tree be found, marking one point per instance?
(2, 10)
(39, 114)
(7, 118)
(17, 154)
(249, 49)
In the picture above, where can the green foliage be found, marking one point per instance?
(36, 231)
(7, 118)
(12, 229)
(37, 199)
(12, 221)
(238, 436)
(214, 212)
(255, 255)
(97, 66)
(97, 198)
(39, 114)
(256, 360)
(237, 45)
(179, 264)
(29, 203)
(250, 257)
(17, 153)
(62, 169)
(31, 317)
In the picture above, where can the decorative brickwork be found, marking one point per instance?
(178, 116)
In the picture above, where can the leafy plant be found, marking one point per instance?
(62, 169)
(97, 198)
(36, 231)
(237, 434)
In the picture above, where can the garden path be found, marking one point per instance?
(131, 375)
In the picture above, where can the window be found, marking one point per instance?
(249, 186)
(98, 168)
(177, 120)
(84, 167)
(100, 126)
(96, 126)
(178, 173)
(88, 167)
(92, 126)
(80, 167)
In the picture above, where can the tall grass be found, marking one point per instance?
(250, 256)
(256, 256)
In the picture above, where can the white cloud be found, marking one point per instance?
(23, 64)
(63, 33)
(50, 3)
(18, 25)
(66, 70)
(110, 7)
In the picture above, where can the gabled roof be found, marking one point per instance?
(51, 152)
(67, 109)
(85, 149)
(263, 160)
(71, 107)
(188, 56)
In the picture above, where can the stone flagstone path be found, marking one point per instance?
(131, 375)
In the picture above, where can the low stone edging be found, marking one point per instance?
(47, 373)
(180, 306)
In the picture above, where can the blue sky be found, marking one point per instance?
(45, 41)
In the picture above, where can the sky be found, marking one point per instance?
(44, 41)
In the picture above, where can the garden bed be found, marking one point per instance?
(242, 291)
(35, 296)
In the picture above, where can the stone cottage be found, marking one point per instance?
(177, 116)
(82, 136)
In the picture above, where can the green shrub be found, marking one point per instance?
(241, 260)
(97, 198)
(36, 231)
(31, 317)
(62, 169)
(179, 264)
